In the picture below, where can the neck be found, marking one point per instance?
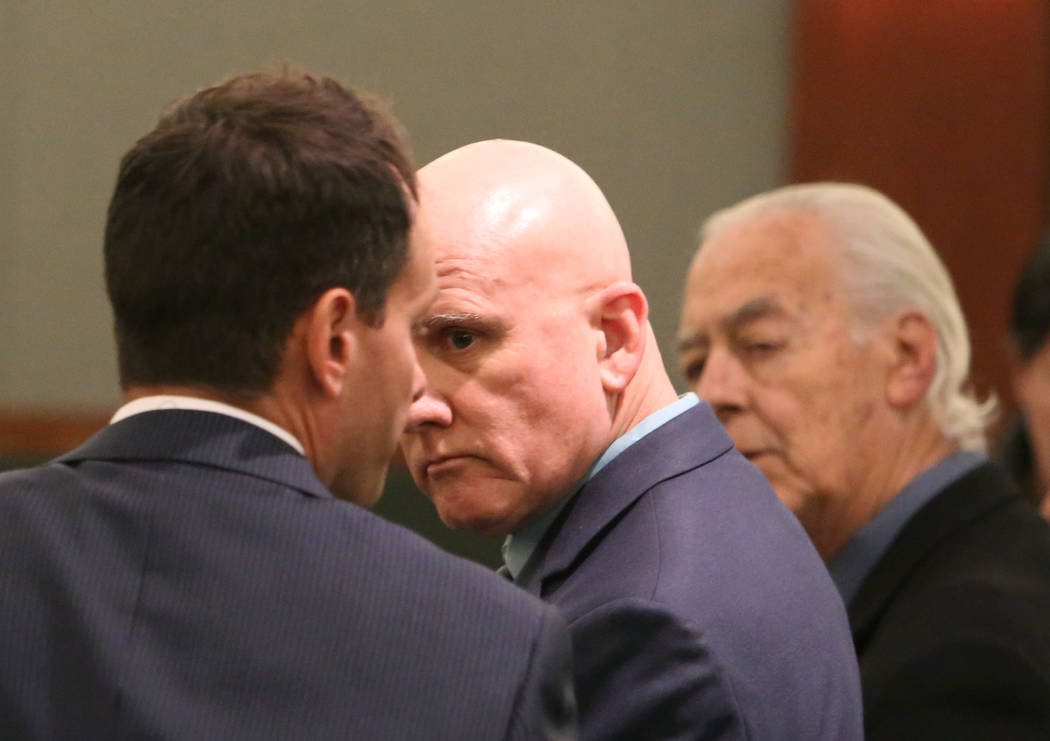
(893, 466)
(246, 401)
(274, 406)
(649, 391)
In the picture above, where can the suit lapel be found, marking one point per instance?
(201, 438)
(965, 500)
(691, 439)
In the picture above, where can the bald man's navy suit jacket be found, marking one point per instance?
(697, 605)
(184, 575)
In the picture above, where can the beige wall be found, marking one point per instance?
(675, 107)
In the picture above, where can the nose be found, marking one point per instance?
(723, 384)
(428, 408)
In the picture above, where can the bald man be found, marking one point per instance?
(698, 608)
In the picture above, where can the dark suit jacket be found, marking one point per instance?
(698, 607)
(952, 626)
(184, 575)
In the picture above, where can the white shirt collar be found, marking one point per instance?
(156, 403)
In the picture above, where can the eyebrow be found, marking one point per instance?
(750, 311)
(756, 308)
(438, 321)
(690, 342)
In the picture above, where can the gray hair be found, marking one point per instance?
(888, 265)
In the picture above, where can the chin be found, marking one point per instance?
(458, 517)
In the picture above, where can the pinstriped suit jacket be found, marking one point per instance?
(184, 575)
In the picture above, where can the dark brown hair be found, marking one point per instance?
(246, 202)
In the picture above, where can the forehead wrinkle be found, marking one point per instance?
(476, 271)
(693, 341)
(751, 311)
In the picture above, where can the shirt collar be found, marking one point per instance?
(519, 546)
(855, 560)
(168, 401)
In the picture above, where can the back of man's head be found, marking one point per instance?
(246, 202)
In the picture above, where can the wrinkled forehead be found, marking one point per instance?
(787, 260)
(780, 247)
(502, 241)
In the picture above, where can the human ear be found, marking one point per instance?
(330, 334)
(622, 313)
(913, 353)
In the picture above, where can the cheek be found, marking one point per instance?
(521, 391)
(543, 434)
(392, 356)
(1032, 382)
(808, 422)
(528, 427)
(1037, 417)
(782, 412)
(841, 432)
(407, 368)
(1033, 396)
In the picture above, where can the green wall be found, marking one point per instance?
(676, 107)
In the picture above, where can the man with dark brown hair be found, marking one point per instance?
(187, 573)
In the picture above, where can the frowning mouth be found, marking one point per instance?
(444, 464)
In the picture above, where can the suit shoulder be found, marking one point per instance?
(983, 593)
(433, 576)
(37, 477)
(990, 578)
(728, 507)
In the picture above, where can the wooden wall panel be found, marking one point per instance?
(38, 434)
(944, 105)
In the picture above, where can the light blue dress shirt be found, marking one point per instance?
(518, 547)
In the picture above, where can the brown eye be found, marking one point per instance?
(693, 370)
(460, 339)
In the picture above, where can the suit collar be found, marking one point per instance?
(691, 439)
(967, 499)
(202, 438)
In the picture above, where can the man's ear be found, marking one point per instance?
(621, 312)
(913, 353)
(331, 327)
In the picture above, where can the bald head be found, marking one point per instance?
(530, 206)
(537, 351)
